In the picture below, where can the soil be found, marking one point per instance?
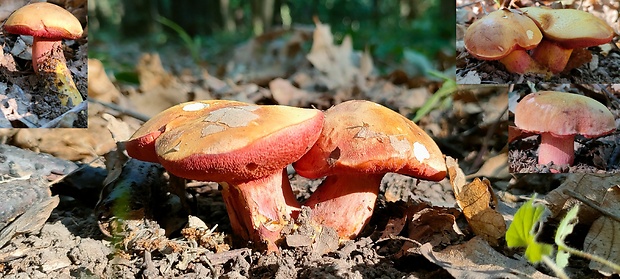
(70, 244)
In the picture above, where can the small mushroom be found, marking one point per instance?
(504, 35)
(360, 142)
(558, 117)
(242, 146)
(564, 30)
(49, 24)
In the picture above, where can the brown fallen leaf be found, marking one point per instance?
(478, 203)
(603, 239)
(589, 187)
(476, 259)
(99, 85)
(494, 167)
(332, 60)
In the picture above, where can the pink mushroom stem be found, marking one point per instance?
(345, 202)
(45, 49)
(559, 149)
(259, 209)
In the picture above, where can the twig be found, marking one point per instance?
(52, 124)
(122, 110)
(590, 203)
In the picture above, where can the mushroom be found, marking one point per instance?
(558, 117)
(564, 30)
(244, 147)
(360, 142)
(49, 24)
(504, 35)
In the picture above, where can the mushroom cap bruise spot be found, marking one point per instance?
(420, 151)
(195, 106)
(563, 114)
(370, 139)
(233, 117)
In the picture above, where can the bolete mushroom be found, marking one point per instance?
(504, 35)
(360, 142)
(242, 146)
(48, 24)
(564, 30)
(558, 117)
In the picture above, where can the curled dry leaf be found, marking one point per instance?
(478, 203)
(603, 239)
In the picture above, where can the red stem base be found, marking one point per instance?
(259, 209)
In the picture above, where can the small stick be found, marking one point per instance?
(122, 110)
(80, 107)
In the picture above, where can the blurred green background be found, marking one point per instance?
(208, 30)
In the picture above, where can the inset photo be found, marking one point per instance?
(569, 128)
(43, 66)
(522, 42)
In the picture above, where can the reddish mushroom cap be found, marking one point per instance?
(44, 20)
(563, 114)
(376, 140)
(569, 27)
(239, 142)
(499, 33)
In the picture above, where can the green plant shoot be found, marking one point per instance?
(564, 229)
(523, 231)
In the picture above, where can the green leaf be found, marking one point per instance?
(523, 230)
(564, 229)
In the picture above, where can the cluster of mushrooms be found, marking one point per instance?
(558, 117)
(49, 24)
(537, 39)
(246, 148)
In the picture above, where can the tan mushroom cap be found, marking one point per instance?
(46, 20)
(141, 145)
(563, 114)
(499, 33)
(365, 137)
(569, 27)
(238, 143)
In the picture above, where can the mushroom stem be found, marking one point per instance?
(560, 150)
(345, 202)
(259, 209)
(49, 61)
(551, 55)
(520, 62)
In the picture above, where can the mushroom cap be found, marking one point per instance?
(569, 27)
(45, 20)
(500, 32)
(233, 142)
(141, 145)
(563, 114)
(364, 137)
